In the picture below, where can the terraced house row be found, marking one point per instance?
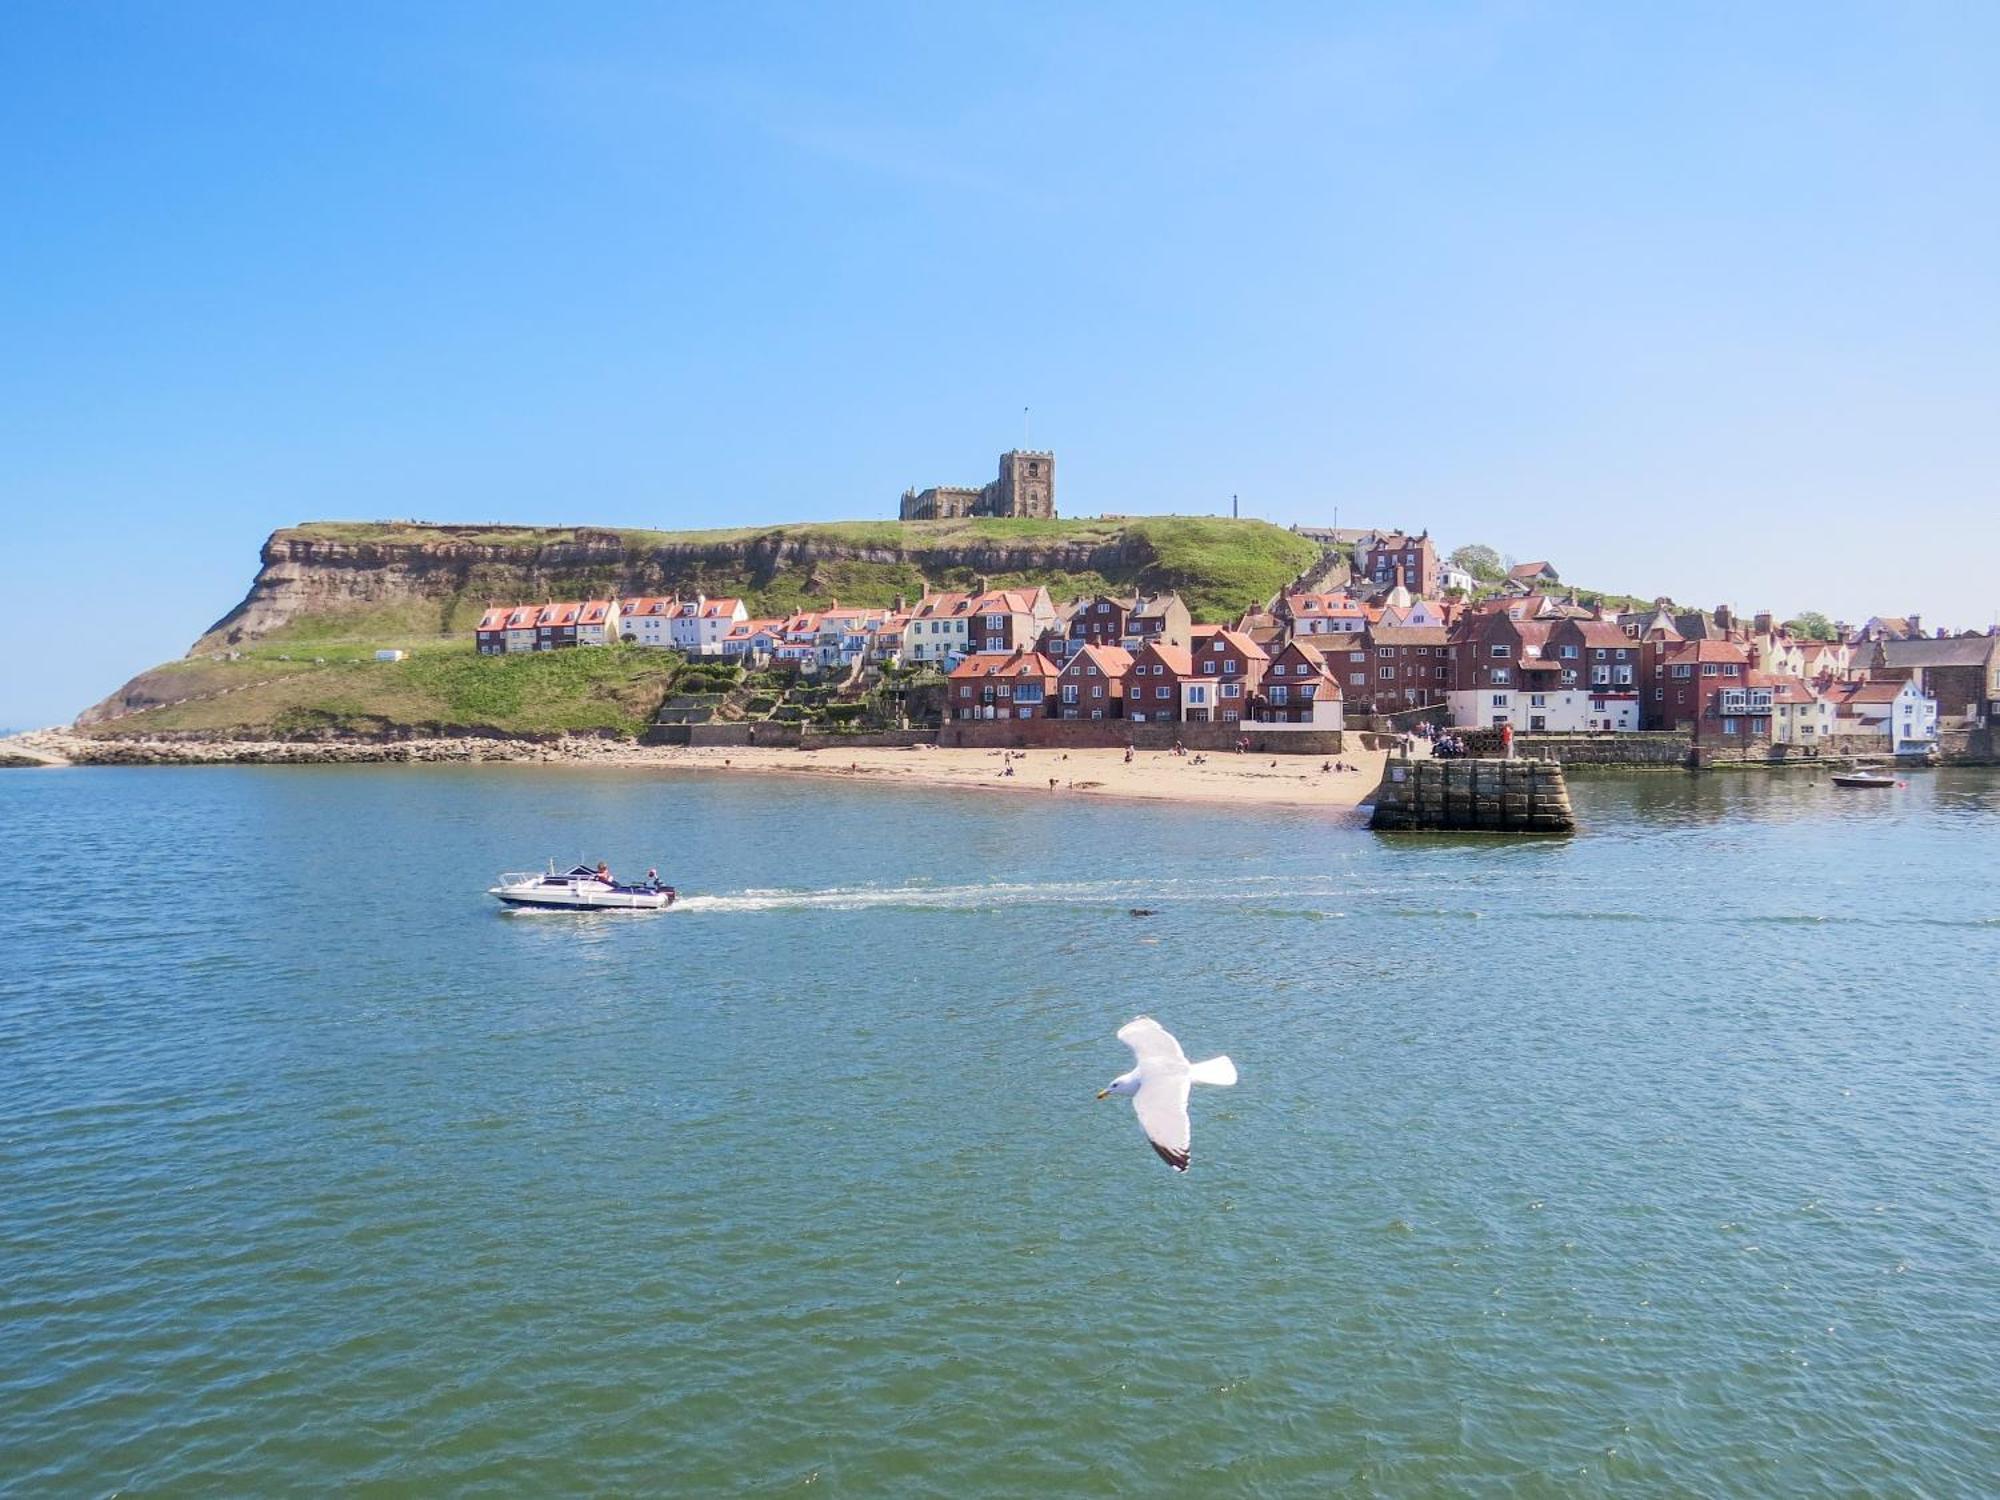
(1527, 656)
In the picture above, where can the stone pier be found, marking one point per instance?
(1473, 796)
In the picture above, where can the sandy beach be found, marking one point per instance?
(1291, 780)
(1157, 775)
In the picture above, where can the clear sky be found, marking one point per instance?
(1684, 298)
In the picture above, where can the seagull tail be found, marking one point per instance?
(1216, 1070)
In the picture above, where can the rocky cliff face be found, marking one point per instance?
(304, 575)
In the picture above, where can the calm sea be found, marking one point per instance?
(1660, 1161)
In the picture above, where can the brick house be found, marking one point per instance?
(1409, 666)
(1496, 665)
(1961, 672)
(1158, 619)
(1411, 561)
(1092, 683)
(1099, 622)
(1226, 668)
(1002, 685)
(1300, 688)
(1704, 687)
(1153, 683)
(1008, 619)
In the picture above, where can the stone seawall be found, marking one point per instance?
(1969, 747)
(1116, 734)
(1472, 796)
(782, 737)
(1641, 748)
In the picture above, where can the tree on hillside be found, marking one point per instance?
(1811, 626)
(1481, 561)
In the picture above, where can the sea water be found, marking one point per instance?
(1661, 1160)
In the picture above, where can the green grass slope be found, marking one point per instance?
(437, 690)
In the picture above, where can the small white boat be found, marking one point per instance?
(1865, 779)
(579, 889)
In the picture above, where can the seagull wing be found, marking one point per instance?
(1161, 1105)
(1152, 1044)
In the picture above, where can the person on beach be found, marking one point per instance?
(1506, 741)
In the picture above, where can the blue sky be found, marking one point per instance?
(1692, 299)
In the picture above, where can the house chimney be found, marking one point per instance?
(1723, 618)
(1756, 658)
(902, 604)
(1764, 622)
(1916, 625)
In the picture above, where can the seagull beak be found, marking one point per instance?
(1101, 1093)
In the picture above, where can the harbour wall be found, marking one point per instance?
(1472, 796)
(1116, 734)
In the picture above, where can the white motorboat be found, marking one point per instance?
(579, 888)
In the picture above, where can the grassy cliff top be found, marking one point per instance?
(911, 536)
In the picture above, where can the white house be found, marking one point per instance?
(1452, 576)
(1546, 710)
(1325, 614)
(1899, 711)
(684, 626)
(937, 634)
(647, 621)
(1799, 714)
(715, 620)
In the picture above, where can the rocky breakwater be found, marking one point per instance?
(1472, 796)
(61, 748)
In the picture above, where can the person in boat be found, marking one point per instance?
(653, 879)
(604, 873)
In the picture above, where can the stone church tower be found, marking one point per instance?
(1026, 487)
(1027, 484)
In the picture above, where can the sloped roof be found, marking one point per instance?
(1111, 661)
(1176, 659)
(1409, 635)
(1951, 651)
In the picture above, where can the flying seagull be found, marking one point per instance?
(1159, 1086)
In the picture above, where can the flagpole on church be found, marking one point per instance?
(1024, 427)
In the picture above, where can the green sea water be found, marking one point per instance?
(1664, 1160)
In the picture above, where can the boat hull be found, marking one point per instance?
(557, 899)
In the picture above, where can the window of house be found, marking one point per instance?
(1387, 674)
(1729, 726)
(1359, 679)
(1500, 650)
(1499, 700)
(1569, 651)
(1708, 669)
(1208, 667)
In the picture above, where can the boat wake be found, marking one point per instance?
(1109, 895)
